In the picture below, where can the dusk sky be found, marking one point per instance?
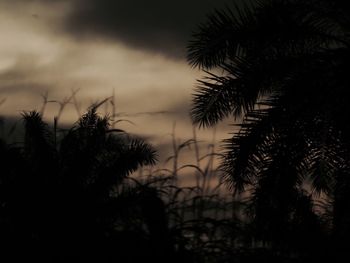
(136, 48)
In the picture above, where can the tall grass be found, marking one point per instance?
(203, 215)
(201, 221)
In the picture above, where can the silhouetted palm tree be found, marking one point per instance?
(284, 67)
(58, 195)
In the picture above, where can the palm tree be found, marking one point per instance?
(284, 71)
(58, 195)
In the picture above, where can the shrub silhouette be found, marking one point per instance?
(58, 195)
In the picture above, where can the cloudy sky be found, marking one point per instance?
(135, 47)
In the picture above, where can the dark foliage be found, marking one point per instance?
(285, 69)
(67, 196)
(58, 199)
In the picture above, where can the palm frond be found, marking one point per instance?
(38, 137)
(213, 100)
(214, 42)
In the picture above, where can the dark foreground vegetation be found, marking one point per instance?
(67, 196)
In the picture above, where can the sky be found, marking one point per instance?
(134, 48)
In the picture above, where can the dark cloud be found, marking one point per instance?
(159, 26)
(154, 25)
(177, 110)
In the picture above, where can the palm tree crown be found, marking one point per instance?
(58, 191)
(284, 67)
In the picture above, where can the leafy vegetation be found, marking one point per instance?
(284, 71)
(71, 195)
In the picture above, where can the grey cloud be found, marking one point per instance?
(21, 77)
(154, 25)
(157, 26)
(178, 110)
(14, 88)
